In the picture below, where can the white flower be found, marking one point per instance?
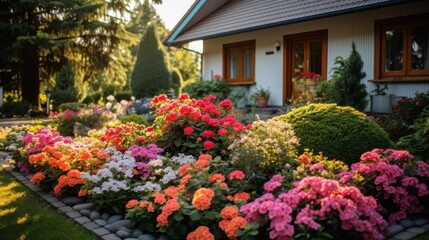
(110, 98)
(183, 159)
(133, 98)
(155, 163)
(108, 105)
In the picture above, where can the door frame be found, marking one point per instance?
(287, 57)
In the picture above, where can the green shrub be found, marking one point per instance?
(75, 106)
(138, 119)
(64, 90)
(264, 150)
(123, 96)
(418, 142)
(341, 133)
(201, 89)
(11, 109)
(92, 98)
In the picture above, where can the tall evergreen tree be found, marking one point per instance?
(64, 90)
(151, 74)
(38, 37)
(347, 77)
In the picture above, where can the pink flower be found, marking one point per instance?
(188, 130)
(217, 76)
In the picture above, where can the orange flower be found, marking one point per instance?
(57, 189)
(202, 198)
(239, 222)
(184, 181)
(58, 155)
(159, 198)
(74, 173)
(94, 151)
(147, 205)
(162, 219)
(230, 227)
(201, 233)
(63, 165)
(216, 177)
(37, 178)
(102, 155)
(206, 157)
(85, 155)
(229, 212)
(304, 159)
(49, 149)
(171, 191)
(183, 170)
(82, 193)
(205, 191)
(241, 196)
(131, 204)
(171, 206)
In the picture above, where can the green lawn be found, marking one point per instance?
(424, 236)
(23, 215)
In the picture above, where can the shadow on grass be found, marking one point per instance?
(23, 215)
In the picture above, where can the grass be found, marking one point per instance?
(423, 236)
(23, 215)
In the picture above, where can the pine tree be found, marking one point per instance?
(64, 90)
(150, 75)
(347, 81)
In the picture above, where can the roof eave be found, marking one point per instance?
(297, 20)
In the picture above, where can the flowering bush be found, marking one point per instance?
(118, 179)
(264, 150)
(194, 126)
(93, 118)
(60, 166)
(125, 135)
(392, 178)
(315, 208)
(201, 201)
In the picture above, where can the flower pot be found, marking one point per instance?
(380, 104)
(261, 102)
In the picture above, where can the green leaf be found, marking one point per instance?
(195, 215)
(178, 217)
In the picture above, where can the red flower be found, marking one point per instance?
(208, 145)
(222, 132)
(184, 96)
(226, 104)
(217, 76)
(208, 134)
(188, 130)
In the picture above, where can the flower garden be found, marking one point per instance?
(198, 173)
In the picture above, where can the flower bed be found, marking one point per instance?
(180, 179)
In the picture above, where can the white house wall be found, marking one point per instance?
(342, 31)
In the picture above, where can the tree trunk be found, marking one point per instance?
(30, 82)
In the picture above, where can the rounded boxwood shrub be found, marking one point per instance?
(138, 119)
(341, 133)
(75, 106)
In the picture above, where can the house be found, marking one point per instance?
(261, 42)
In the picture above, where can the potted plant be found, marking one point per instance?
(261, 97)
(380, 101)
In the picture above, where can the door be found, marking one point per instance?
(304, 52)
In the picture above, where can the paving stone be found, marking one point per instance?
(114, 218)
(395, 229)
(100, 222)
(163, 237)
(73, 214)
(405, 235)
(91, 225)
(94, 215)
(47, 196)
(100, 231)
(407, 223)
(130, 239)
(105, 216)
(426, 226)
(111, 237)
(118, 224)
(82, 220)
(123, 233)
(34, 188)
(147, 237)
(85, 212)
(416, 230)
(71, 201)
(83, 206)
(137, 233)
(58, 204)
(420, 222)
(65, 209)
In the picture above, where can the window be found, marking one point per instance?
(401, 48)
(304, 52)
(239, 62)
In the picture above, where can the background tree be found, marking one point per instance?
(64, 90)
(347, 81)
(151, 74)
(38, 37)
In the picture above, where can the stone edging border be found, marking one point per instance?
(404, 230)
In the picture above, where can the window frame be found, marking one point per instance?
(406, 24)
(240, 80)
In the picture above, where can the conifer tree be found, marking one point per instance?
(347, 81)
(64, 90)
(150, 75)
